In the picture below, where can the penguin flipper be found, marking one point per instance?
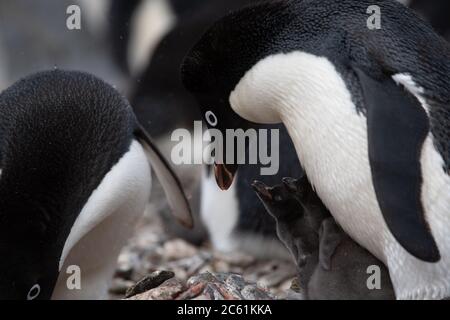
(168, 179)
(398, 126)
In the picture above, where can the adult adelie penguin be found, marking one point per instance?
(368, 111)
(75, 177)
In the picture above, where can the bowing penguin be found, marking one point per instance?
(368, 110)
(75, 178)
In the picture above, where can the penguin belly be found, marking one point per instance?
(103, 227)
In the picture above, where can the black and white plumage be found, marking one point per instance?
(368, 111)
(75, 177)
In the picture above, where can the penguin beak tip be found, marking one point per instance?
(224, 177)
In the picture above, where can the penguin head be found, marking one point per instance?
(278, 201)
(214, 66)
(29, 267)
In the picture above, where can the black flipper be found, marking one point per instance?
(168, 179)
(397, 129)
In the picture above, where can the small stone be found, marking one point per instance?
(221, 266)
(169, 290)
(152, 281)
(295, 285)
(178, 249)
(193, 292)
(276, 274)
(213, 292)
(292, 295)
(236, 284)
(252, 292)
(235, 259)
(201, 278)
(120, 286)
(127, 263)
(191, 265)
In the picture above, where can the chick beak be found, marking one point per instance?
(262, 190)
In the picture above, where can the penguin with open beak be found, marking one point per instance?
(367, 108)
(75, 178)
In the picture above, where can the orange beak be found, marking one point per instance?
(224, 176)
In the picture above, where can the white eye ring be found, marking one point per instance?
(211, 118)
(34, 292)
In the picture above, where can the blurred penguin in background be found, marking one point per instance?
(149, 40)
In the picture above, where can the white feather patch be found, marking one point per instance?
(104, 225)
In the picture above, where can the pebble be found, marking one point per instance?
(178, 249)
(120, 286)
(201, 273)
(169, 290)
(151, 281)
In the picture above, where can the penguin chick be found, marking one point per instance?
(331, 265)
(75, 178)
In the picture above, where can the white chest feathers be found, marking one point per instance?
(311, 98)
(104, 225)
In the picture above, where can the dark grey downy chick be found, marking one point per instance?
(331, 265)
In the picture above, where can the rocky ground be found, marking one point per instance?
(156, 266)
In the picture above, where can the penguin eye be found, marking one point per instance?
(34, 292)
(211, 118)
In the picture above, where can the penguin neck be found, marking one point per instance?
(301, 90)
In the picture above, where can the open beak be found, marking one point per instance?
(224, 175)
(262, 190)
